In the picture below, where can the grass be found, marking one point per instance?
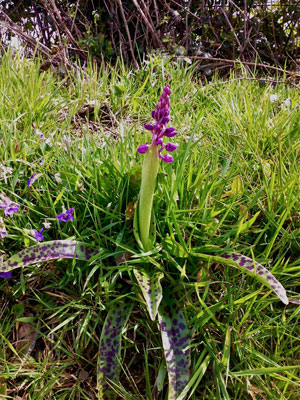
(234, 184)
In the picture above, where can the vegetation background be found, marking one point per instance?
(72, 109)
(215, 32)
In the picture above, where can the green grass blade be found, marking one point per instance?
(265, 371)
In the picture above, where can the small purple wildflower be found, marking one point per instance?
(38, 235)
(9, 206)
(64, 217)
(5, 275)
(39, 133)
(3, 232)
(159, 130)
(31, 180)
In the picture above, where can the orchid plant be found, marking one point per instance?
(159, 301)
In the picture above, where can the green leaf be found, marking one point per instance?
(261, 273)
(108, 364)
(3, 390)
(246, 225)
(174, 248)
(49, 251)
(152, 229)
(237, 186)
(136, 230)
(265, 371)
(151, 289)
(176, 341)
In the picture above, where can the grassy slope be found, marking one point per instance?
(243, 162)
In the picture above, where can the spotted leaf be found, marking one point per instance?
(110, 349)
(260, 273)
(151, 289)
(176, 341)
(48, 251)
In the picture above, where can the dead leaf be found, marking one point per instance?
(26, 336)
(130, 210)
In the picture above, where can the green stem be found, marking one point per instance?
(149, 174)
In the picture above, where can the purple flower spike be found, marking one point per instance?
(158, 129)
(171, 146)
(38, 235)
(143, 148)
(31, 180)
(5, 275)
(9, 206)
(66, 216)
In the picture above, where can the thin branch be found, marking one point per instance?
(7, 23)
(149, 24)
(128, 33)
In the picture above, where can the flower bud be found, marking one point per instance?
(142, 149)
(171, 134)
(149, 127)
(166, 158)
(171, 146)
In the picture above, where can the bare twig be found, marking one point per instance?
(233, 31)
(187, 33)
(7, 23)
(60, 20)
(148, 23)
(128, 34)
(156, 12)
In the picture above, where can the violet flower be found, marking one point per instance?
(66, 216)
(3, 231)
(144, 224)
(31, 180)
(38, 235)
(9, 206)
(159, 130)
(5, 275)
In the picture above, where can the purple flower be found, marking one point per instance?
(3, 232)
(64, 217)
(31, 180)
(9, 206)
(5, 275)
(143, 148)
(158, 129)
(39, 133)
(171, 146)
(149, 127)
(38, 235)
(166, 158)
